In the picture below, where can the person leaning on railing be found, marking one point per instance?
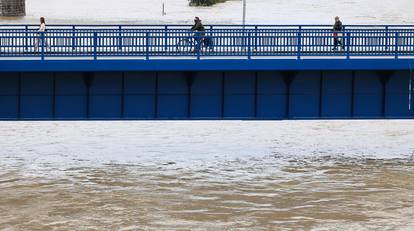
(337, 34)
(42, 29)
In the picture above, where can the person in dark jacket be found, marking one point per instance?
(337, 29)
(200, 32)
(198, 26)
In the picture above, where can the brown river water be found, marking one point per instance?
(207, 175)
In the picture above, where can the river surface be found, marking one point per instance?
(205, 175)
(230, 12)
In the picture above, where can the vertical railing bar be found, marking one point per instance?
(73, 37)
(26, 38)
(255, 38)
(147, 45)
(42, 35)
(120, 37)
(95, 45)
(348, 45)
(198, 44)
(396, 44)
(166, 38)
(249, 46)
(299, 42)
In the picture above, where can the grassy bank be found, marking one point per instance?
(205, 2)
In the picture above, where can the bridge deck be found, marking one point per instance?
(160, 72)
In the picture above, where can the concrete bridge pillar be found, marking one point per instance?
(12, 7)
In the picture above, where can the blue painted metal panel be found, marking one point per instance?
(206, 98)
(140, 95)
(70, 83)
(368, 95)
(8, 107)
(36, 95)
(37, 83)
(183, 95)
(106, 83)
(239, 95)
(139, 107)
(271, 101)
(9, 90)
(337, 94)
(206, 65)
(9, 83)
(71, 96)
(173, 95)
(105, 106)
(105, 98)
(70, 107)
(304, 98)
(36, 107)
(397, 95)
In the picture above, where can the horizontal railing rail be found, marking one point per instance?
(214, 26)
(146, 42)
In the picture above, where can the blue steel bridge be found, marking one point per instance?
(237, 72)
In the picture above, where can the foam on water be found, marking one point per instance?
(258, 12)
(204, 175)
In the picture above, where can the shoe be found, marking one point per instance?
(334, 49)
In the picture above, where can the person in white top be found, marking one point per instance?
(42, 29)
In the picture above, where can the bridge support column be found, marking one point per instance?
(88, 78)
(19, 96)
(156, 114)
(189, 77)
(12, 7)
(321, 94)
(384, 77)
(256, 92)
(353, 95)
(54, 96)
(123, 96)
(288, 78)
(223, 85)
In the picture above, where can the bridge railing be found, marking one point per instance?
(210, 27)
(142, 43)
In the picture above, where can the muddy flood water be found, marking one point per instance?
(238, 175)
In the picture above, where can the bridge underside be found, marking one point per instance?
(270, 94)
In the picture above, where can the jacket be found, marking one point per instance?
(337, 26)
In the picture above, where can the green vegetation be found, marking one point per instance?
(205, 2)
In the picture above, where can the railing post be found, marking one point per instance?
(95, 46)
(26, 45)
(255, 38)
(249, 46)
(198, 44)
(166, 37)
(299, 42)
(147, 45)
(42, 37)
(348, 45)
(120, 37)
(396, 44)
(386, 38)
(73, 37)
